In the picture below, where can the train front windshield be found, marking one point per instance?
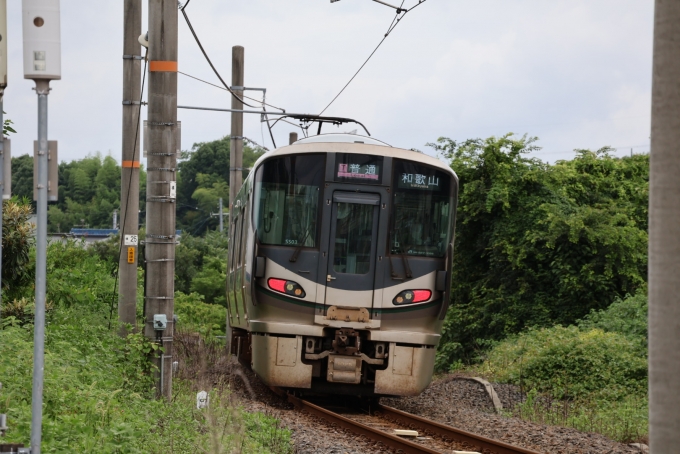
(423, 204)
(287, 200)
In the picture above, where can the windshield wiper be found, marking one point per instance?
(298, 249)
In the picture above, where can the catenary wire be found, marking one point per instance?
(222, 88)
(393, 25)
(127, 200)
(205, 54)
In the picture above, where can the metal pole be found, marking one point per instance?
(129, 177)
(161, 179)
(221, 217)
(236, 148)
(664, 233)
(292, 138)
(42, 89)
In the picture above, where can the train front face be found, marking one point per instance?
(353, 249)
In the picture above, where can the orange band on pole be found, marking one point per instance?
(166, 66)
(131, 164)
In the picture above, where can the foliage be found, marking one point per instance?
(7, 127)
(624, 316)
(22, 177)
(203, 178)
(569, 363)
(17, 239)
(197, 316)
(539, 244)
(98, 392)
(200, 266)
(624, 420)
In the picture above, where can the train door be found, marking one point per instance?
(352, 249)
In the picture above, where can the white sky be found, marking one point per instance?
(576, 73)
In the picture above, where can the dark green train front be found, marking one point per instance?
(339, 266)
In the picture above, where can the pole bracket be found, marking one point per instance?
(161, 237)
(133, 57)
(160, 123)
(167, 169)
(238, 168)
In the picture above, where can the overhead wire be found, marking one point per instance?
(393, 25)
(205, 54)
(222, 88)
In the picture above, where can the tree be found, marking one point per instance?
(539, 244)
(17, 240)
(203, 178)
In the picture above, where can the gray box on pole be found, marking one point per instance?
(53, 171)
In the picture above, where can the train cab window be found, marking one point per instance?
(422, 209)
(287, 198)
(353, 236)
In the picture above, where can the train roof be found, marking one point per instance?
(353, 143)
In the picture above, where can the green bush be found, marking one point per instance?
(624, 316)
(539, 244)
(17, 240)
(99, 388)
(208, 319)
(570, 363)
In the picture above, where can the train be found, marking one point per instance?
(339, 267)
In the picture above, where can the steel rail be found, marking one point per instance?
(452, 433)
(394, 442)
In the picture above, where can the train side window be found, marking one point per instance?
(244, 234)
(232, 238)
(287, 199)
(237, 238)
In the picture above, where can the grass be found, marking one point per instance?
(98, 389)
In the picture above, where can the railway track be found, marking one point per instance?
(382, 421)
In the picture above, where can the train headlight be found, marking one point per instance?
(412, 296)
(288, 287)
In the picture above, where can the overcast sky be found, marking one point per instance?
(576, 74)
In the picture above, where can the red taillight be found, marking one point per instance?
(277, 284)
(412, 296)
(421, 295)
(288, 287)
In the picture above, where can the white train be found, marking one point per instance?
(339, 266)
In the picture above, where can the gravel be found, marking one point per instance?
(451, 399)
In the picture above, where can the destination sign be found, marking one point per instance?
(419, 181)
(358, 168)
(360, 171)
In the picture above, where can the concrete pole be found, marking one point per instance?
(3, 85)
(2, 180)
(129, 177)
(221, 217)
(42, 89)
(664, 233)
(161, 181)
(292, 138)
(236, 148)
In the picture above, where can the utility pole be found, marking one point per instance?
(3, 85)
(236, 148)
(129, 178)
(664, 233)
(292, 138)
(161, 186)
